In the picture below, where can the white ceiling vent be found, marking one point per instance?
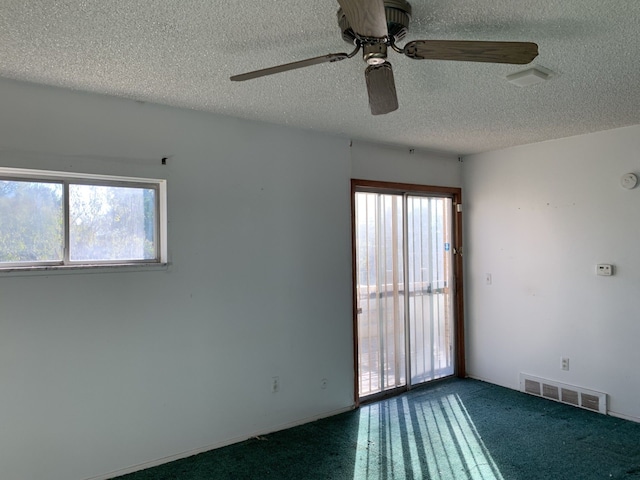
(531, 76)
(560, 392)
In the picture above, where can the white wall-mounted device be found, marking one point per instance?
(629, 180)
(604, 269)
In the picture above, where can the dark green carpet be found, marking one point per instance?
(454, 429)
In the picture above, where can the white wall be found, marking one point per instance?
(100, 372)
(402, 165)
(539, 218)
(104, 372)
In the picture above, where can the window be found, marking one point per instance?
(61, 219)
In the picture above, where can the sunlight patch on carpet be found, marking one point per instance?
(430, 439)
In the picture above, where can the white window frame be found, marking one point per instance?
(67, 178)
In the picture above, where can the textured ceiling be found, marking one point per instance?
(182, 54)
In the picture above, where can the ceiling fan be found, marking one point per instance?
(376, 25)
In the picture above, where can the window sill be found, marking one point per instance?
(80, 269)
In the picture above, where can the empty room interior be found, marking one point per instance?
(515, 125)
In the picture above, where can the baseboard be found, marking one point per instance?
(624, 417)
(492, 382)
(196, 451)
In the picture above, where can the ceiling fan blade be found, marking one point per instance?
(366, 17)
(381, 88)
(332, 57)
(518, 53)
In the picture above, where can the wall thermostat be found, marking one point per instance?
(604, 269)
(629, 180)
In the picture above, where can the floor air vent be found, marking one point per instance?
(577, 396)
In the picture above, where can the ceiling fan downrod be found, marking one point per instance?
(374, 49)
(398, 16)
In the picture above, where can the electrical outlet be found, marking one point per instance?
(564, 363)
(323, 383)
(275, 384)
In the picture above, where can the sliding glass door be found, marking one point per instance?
(404, 279)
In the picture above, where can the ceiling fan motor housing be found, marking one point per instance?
(398, 13)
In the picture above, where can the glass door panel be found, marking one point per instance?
(430, 276)
(381, 324)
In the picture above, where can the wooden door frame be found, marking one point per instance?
(455, 193)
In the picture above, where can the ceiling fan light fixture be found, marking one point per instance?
(528, 77)
(374, 54)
